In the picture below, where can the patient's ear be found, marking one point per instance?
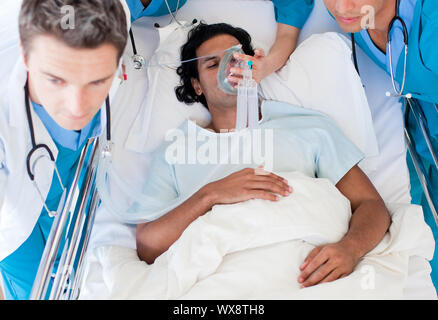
(196, 86)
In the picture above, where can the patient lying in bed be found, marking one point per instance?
(200, 168)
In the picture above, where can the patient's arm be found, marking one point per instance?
(154, 238)
(368, 225)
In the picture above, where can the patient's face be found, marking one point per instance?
(355, 15)
(208, 68)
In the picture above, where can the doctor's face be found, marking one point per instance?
(208, 69)
(71, 84)
(355, 15)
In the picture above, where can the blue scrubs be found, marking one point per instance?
(19, 268)
(155, 9)
(421, 19)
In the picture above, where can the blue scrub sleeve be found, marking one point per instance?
(136, 8)
(336, 154)
(293, 12)
(155, 9)
(428, 40)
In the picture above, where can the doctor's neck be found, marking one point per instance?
(379, 34)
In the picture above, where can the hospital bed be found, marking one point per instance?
(385, 163)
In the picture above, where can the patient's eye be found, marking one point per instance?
(212, 65)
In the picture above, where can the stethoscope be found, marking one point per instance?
(397, 93)
(138, 60)
(30, 166)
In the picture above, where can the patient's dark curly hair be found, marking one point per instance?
(196, 37)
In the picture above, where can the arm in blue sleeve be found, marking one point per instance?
(428, 43)
(136, 8)
(155, 9)
(293, 12)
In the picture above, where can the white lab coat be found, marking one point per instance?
(20, 203)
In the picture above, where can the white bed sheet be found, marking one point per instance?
(391, 178)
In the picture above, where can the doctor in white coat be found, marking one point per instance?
(55, 96)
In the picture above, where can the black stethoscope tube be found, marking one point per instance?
(131, 35)
(391, 24)
(35, 146)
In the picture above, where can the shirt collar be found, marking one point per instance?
(69, 139)
(407, 9)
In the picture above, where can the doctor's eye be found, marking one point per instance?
(56, 81)
(98, 83)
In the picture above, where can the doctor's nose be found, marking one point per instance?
(77, 103)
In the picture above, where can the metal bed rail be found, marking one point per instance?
(414, 107)
(61, 267)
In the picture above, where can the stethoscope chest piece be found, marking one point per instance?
(107, 150)
(38, 153)
(139, 61)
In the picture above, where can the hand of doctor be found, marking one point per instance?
(328, 263)
(260, 66)
(247, 184)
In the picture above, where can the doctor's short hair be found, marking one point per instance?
(81, 24)
(196, 37)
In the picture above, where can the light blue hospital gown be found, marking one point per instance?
(300, 139)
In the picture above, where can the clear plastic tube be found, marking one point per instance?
(247, 114)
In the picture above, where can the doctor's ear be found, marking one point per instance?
(23, 54)
(196, 86)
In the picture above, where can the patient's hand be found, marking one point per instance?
(328, 263)
(247, 184)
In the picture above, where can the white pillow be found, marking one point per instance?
(255, 16)
(320, 75)
(161, 109)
